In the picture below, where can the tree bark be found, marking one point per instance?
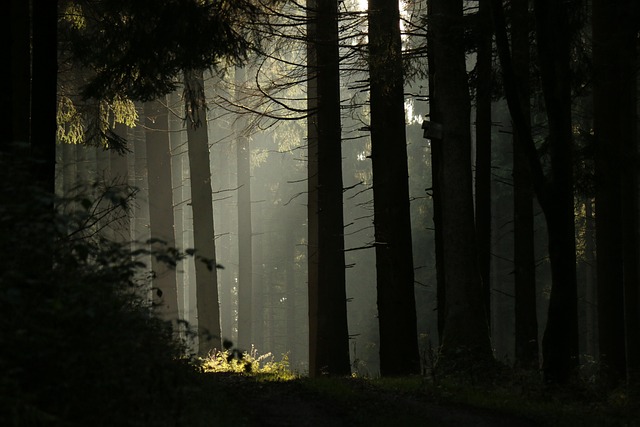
(245, 261)
(483, 151)
(526, 323)
(435, 116)
(609, 131)
(160, 207)
(208, 305)
(392, 220)
(466, 329)
(560, 341)
(328, 333)
(44, 75)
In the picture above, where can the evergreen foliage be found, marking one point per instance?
(137, 49)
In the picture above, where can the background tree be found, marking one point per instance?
(526, 325)
(206, 280)
(245, 273)
(164, 285)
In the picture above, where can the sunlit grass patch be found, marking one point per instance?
(263, 366)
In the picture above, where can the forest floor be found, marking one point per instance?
(334, 402)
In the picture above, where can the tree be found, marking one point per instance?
(208, 306)
(392, 221)
(466, 329)
(328, 333)
(245, 259)
(614, 101)
(160, 207)
(526, 324)
(555, 194)
(483, 150)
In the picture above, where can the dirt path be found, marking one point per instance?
(349, 402)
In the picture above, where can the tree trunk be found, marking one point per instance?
(328, 333)
(560, 341)
(160, 207)
(608, 92)
(392, 220)
(526, 323)
(16, 98)
(483, 151)
(208, 306)
(466, 330)
(435, 117)
(44, 75)
(631, 238)
(245, 263)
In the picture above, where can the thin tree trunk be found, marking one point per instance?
(435, 117)
(160, 207)
(328, 333)
(208, 306)
(483, 152)
(526, 323)
(245, 263)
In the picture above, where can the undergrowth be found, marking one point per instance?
(79, 345)
(264, 366)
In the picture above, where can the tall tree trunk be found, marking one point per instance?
(560, 341)
(16, 98)
(328, 333)
(44, 75)
(608, 92)
(119, 172)
(526, 323)
(466, 330)
(435, 138)
(160, 206)
(208, 305)
(631, 238)
(392, 220)
(245, 263)
(483, 151)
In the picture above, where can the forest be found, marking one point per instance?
(312, 212)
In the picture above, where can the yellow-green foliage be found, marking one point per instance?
(249, 363)
(70, 128)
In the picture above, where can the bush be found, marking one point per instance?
(79, 344)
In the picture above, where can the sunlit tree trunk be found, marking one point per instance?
(466, 330)
(526, 323)
(245, 262)
(208, 307)
(158, 157)
(119, 173)
(328, 333)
